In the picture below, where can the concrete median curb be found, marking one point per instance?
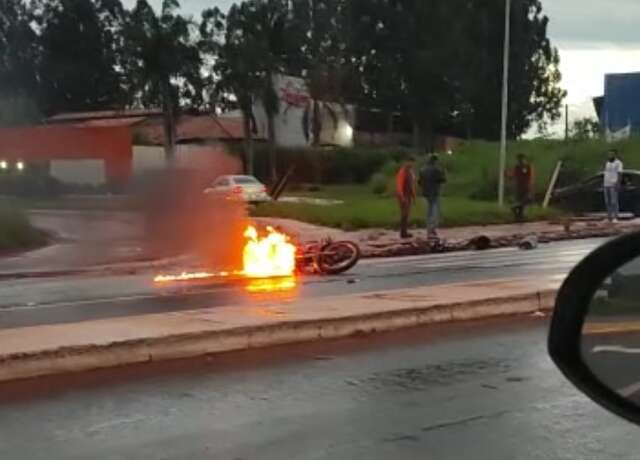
(58, 349)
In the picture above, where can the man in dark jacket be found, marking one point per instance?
(432, 177)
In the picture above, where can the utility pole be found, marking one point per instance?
(566, 122)
(505, 102)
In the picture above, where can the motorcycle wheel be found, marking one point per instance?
(338, 257)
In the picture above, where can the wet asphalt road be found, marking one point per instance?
(467, 391)
(615, 359)
(71, 299)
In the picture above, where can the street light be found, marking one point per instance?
(505, 102)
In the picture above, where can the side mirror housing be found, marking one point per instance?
(594, 337)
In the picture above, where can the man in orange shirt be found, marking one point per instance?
(406, 194)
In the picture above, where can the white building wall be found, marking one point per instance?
(211, 160)
(294, 103)
(90, 172)
(148, 158)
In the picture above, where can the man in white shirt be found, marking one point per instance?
(612, 182)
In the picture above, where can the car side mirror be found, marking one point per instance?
(595, 332)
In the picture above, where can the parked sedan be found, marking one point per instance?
(240, 188)
(588, 196)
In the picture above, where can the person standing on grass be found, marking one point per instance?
(432, 177)
(612, 182)
(523, 178)
(406, 194)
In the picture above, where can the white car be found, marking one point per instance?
(240, 188)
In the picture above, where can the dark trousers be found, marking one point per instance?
(520, 206)
(405, 212)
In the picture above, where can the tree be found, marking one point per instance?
(18, 109)
(409, 66)
(269, 19)
(19, 53)
(441, 64)
(252, 56)
(377, 52)
(320, 51)
(212, 32)
(79, 62)
(585, 128)
(163, 63)
(534, 92)
(239, 80)
(426, 65)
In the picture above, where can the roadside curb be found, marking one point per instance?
(196, 334)
(369, 250)
(422, 247)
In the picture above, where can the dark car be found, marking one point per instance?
(588, 196)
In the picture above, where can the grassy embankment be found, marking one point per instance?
(469, 196)
(16, 232)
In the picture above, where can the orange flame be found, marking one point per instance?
(184, 276)
(270, 256)
(267, 285)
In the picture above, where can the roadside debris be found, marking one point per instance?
(529, 243)
(480, 243)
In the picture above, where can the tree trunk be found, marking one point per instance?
(316, 125)
(428, 137)
(248, 144)
(169, 124)
(469, 131)
(272, 147)
(390, 129)
(468, 122)
(417, 135)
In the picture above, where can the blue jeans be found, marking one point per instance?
(433, 213)
(611, 201)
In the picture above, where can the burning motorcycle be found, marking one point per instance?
(327, 257)
(269, 254)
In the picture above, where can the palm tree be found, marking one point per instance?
(163, 62)
(238, 78)
(252, 55)
(325, 92)
(269, 24)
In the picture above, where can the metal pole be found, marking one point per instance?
(566, 122)
(505, 102)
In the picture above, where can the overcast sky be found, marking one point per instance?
(594, 37)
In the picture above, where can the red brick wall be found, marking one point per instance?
(36, 143)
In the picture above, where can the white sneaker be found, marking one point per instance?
(614, 221)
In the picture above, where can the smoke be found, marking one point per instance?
(180, 218)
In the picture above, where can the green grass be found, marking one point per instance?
(16, 232)
(475, 164)
(470, 193)
(363, 209)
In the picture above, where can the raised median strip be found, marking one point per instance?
(76, 347)
(612, 326)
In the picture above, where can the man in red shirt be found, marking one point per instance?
(406, 194)
(523, 178)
